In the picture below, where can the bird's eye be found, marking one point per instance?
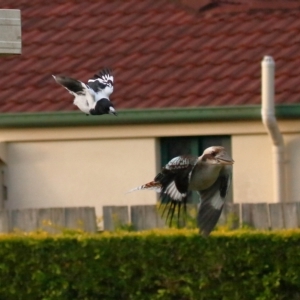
(213, 153)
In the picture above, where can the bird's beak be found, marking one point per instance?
(112, 111)
(225, 159)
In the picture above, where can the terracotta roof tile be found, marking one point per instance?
(163, 53)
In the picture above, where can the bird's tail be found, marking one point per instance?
(152, 185)
(167, 204)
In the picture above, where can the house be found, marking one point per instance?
(187, 76)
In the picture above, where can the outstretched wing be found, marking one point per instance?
(84, 96)
(75, 87)
(212, 202)
(172, 184)
(102, 80)
(174, 179)
(105, 76)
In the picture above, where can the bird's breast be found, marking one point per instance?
(203, 176)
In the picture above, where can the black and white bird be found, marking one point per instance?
(209, 174)
(91, 98)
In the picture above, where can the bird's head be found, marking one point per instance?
(108, 107)
(104, 106)
(216, 155)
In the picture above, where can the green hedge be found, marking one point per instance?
(173, 264)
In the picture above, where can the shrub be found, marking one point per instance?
(165, 264)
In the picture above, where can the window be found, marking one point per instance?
(174, 146)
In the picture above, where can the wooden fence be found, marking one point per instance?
(142, 217)
(53, 220)
(255, 215)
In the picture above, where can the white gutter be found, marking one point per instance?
(270, 122)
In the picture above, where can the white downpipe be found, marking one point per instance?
(270, 122)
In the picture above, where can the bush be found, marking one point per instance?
(171, 264)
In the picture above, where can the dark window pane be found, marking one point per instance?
(172, 147)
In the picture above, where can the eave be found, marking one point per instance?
(144, 116)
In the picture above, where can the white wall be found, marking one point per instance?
(252, 170)
(77, 173)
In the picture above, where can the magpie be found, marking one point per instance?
(208, 174)
(91, 98)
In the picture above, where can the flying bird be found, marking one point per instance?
(91, 98)
(209, 174)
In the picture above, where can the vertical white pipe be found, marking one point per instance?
(270, 122)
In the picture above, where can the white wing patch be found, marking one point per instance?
(84, 102)
(217, 202)
(173, 192)
(104, 79)
(81, 103)
(90, 97)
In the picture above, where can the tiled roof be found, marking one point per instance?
(163, 53)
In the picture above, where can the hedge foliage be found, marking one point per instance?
(173, 264)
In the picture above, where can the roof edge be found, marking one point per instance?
(144, 116)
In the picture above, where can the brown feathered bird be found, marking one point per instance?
(208, 174)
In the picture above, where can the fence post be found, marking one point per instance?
(146, 217)
(4, 221)
(290, 215)
(255, 215)
(230, 215)
(24, 219)
(276, 216)
(78, 218)
(51, 220)
(260, 216)
(114, 217)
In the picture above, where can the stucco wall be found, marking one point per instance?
(253, 179)
(77, 173)
(253, 175)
